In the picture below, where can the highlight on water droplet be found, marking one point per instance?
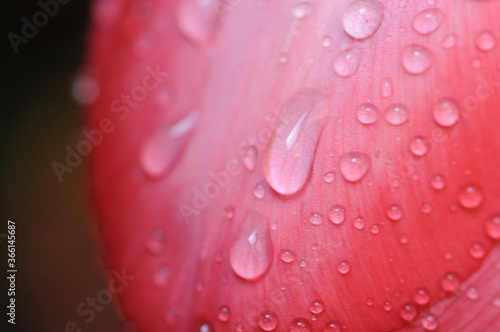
(427, 21)
(250, 158)
(450, 282)
(268, 320)
(485, 41)
(290, 152)
(287, 256)
(438, 182)
(354, 166)
(302, 9)
(344, 267)
(409, 312)
(316, 307)
(362, 18)
(386, 89)
(394, 212)
(300, 325)
(419, 146)
(164, 147)
(367, 113)
(470, 196)
(416, 59)
(430, 322)
(446, 112)
(224, 314)
(493, 227)
(346, 63)
(316, 218)
(396, 114)
(251, 252)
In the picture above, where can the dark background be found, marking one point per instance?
(56, 256)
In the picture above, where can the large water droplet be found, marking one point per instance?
(354, 166)
(250, 158)
(396, 114)
(485, 41)
(251, 252)
(165, 145)
(416, 59)
(362, 18)
(386, 89)
(224, 314)
(337, 214)
(422, 296)
(446, 112)
(300, 325)
(430, 322)
(344, 267)
(419, 146)
(290, 152)
(427, 21)
(470, 196)
(409, 312)
(346, 63)
(450, 282)
(198, 19)
(367, 113)
(302, 9)
(493, 227)
(268, 320)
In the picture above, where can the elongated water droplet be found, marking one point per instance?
(427, 21)
(470, 196)
(290, 151)
(165, 145)
(450, 282)
(446, 112)
(493, 227)
(367, 113)
(396, 114)
(386, 89)
(268, 320)
(409, 312)
(346, 63)
(485, 41)
(302, 9)
(198, 20)
(419, 146)
(354, 166)
(224, 314)
(251, 252)
(344, 267)
(337, 214)
(430, 322)
(300, 325)
(416, 59)
(362, 18)
(287, 256)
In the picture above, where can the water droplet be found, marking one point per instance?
(430, 322)
(369, 302)
(426, 208)
(239, 328)
(224, 314)
(477, 251)
(346, 63)
(316, 218)
(394, 212)
(268, 320)
(250, 158)
(367, 113)
(493, 227)
(290, 152)
(446, 112)
(438, 182)
(287, 256)
(283, 58)
(303, 263)
(155, 244)
(259, 191)
(396, 114)
(329, 177)
(450, 282)
(485, 41)
(422, 297)
(302, 9)
(164, 146)
(327, 41)
(470, 196)
(206, 328)
(317, 307)
(476, 63)
(427, 21)
(472, 293)
(344, 267)
(386, 89)
(416, 59)
(387, 306)
(354, 166)
(362, 18)
(337, 214)
(375, 229)
(449, 41)
(359, 223)
(409, 312)
(300, 325)
(85, 89)
(332, 327)
(419, 146)
(251, 252)
(403, 238)
(197, 20)
(162, 275)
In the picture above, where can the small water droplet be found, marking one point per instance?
(354, 166)
(329, 177)
(426, 208)
(197, 20)
(375, 229)
(346, 63)
(427, 21)
(283, 58)
(394, 212)
(386, 89)
(162, 275)
(419, 146)
(493, 227)
(396, 114)
(344, 267)
(317, 307)
(367, 113)
(359, 223)
(337, 214)
(224, 314)
(416, 59)
(300, 325)
(155, 244)
(164, 146)
(268, 320)
(369, 302)
(362, 18)
(422, 297)
(485, 41)
(259, 191)
(316, 218)
(239, 328)
(287, 256)
(450, 282)
(477, 251)
(303, 263)
(332, 327)
(200, 285)
(446, 112)
(302, 9)
(387, 306)
(403, 238)
(85, 89)
(327, 41)
(229, 212)
(430, 322)
(449, 41)
(250, 158)
(438, 182)
(476, 63)
(290, 152)
(409, 312)
(470, 196)
(472, 293)
(251, 252)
